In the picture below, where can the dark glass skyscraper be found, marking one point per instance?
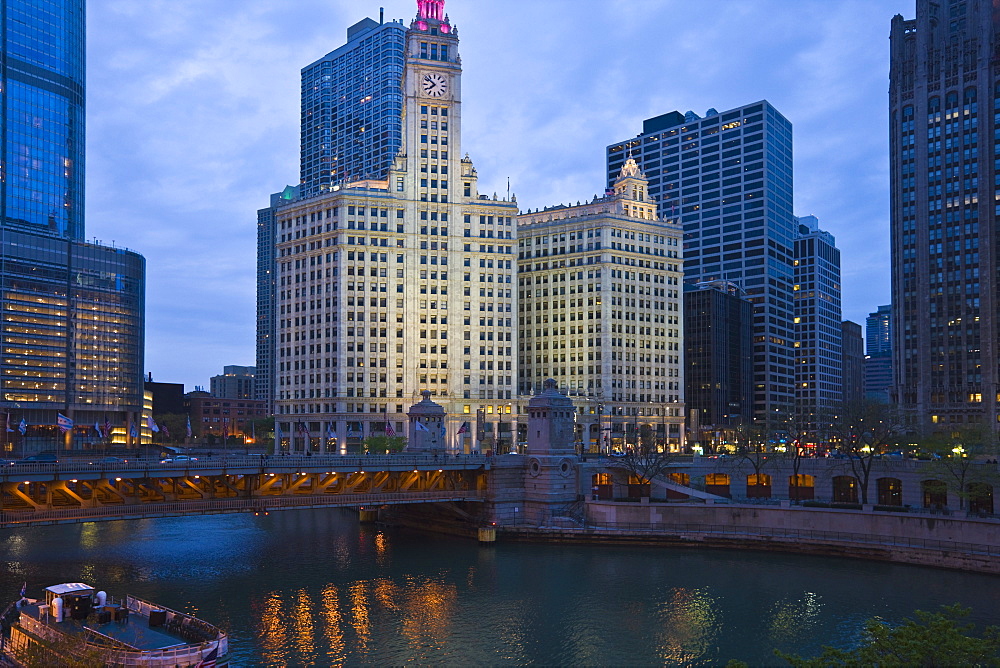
(944, 101)
(42, 77)
(728, 178)
(71, 330)
(352, 108)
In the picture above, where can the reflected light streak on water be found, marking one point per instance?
(361, 595)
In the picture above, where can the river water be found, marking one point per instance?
(315, 588)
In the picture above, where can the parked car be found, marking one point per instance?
(110, 460)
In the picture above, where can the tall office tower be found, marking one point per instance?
(599, 310)
(352, 106)
(728, 179)
(853, 360)
(718, 369)
(43, 79)
(71, 330)
(235, 382)
(878, 331)
(819, 372)
(878, 357)
(267, 297)
(945, 297)
(390, 287)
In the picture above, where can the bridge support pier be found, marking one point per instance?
(368, 516)
(488, 535)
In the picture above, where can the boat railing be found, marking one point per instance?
(114, 652)
(191, 628)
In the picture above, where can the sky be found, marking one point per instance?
(193, 121)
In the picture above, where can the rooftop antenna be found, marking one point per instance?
(381, 15)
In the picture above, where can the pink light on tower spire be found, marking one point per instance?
(430, 9)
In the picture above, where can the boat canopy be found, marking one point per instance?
(70, 588)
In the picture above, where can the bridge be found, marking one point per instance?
(87, 490)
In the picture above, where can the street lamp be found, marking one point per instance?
(959, 450)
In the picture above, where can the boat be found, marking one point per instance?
(78, 625)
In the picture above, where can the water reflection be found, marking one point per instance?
(795, 619)
(361, 595)
(690, 626)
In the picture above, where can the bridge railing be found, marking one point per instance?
(256, 504)
(357, 462)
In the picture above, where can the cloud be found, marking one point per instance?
(193, 121)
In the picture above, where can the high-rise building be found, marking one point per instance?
(878, 331)
(267, 296)
(72, 328)
(43, 82)
(352, 106)
(599, 311)
(235, 382)
(386, 288)
(853, 360)
(819, 372)
(718, 370)
(878, 358)
(944, 93)
(728, 179)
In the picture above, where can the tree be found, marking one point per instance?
(387, 444)
(751, 452)
(955, 461)
(175, 424)
(862, 430)
(645, 461)
(932, 639)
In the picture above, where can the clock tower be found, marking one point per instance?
(432, 88)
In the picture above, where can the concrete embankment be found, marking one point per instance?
(927, 540)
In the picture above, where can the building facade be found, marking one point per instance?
(819, 371)
(853, 361)
(718, 369)
(599, 310)
(223, 417)
(727, 178)
(352, 106)
(235, 382)
(267, 296)
(878, 355)
(944, 95)
(71, 331)
(386, 288)
(43, 82)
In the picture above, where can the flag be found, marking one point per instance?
(277, 430)
(464, 429)
(133, 431)
(189, 427)
(166, 432)
(389, 431)
(209, 661)
(107, 428)
(151, 423)
(422, 427)
(24, 590)
(8, 423)
(329, 431)
(64, 423)
(444, 431)
(97, 428)
(253, 431)
(23, 427)
(225, 429)
(303, 429)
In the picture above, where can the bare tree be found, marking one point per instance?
(863, 430)
(645, 460)
(957, 458)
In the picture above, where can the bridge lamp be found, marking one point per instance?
(440, 471)
(118, 479)
(26, 482)
(197, 477)
(74, 480)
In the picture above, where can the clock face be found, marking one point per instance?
(434, 85)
